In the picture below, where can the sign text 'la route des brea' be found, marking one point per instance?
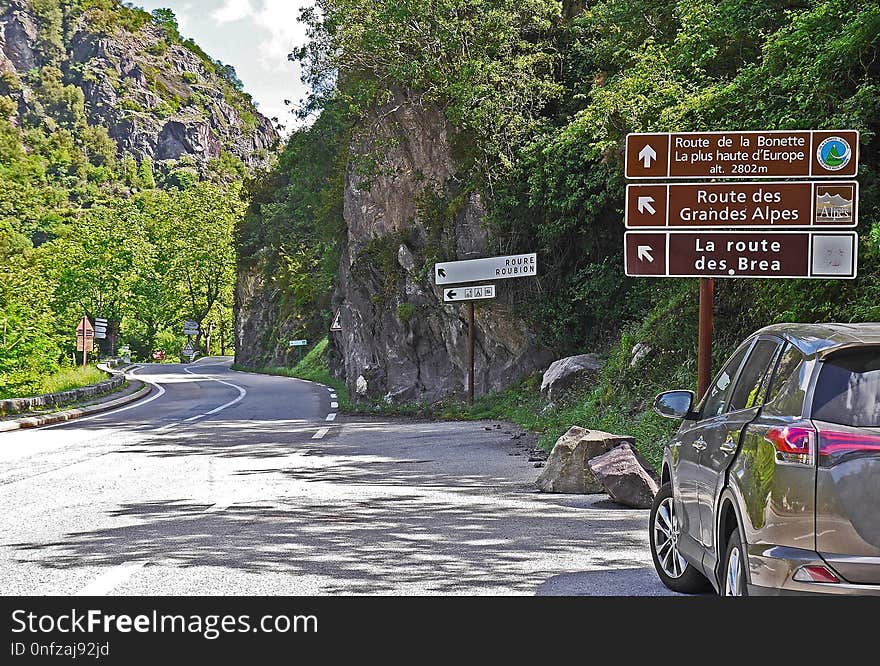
(481, 292)
(788, 204)
(809, 254)
(770, 154)
(491, 268)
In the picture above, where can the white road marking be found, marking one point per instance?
(334, 405)
(106, 583)
(241, 396)
(321, 433)
(331, 417)
(139, 403)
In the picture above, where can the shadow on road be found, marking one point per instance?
(366, 518)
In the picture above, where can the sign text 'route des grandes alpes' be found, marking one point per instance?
(746, 205)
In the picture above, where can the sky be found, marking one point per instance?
(255, 37)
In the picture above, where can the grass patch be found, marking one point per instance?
(69, 378)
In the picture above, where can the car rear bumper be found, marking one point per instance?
(772, 569)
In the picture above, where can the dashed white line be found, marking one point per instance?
(321, 433)
(334, 405)
(106, 583)
(331, 417)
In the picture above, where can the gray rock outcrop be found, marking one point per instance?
(567, 469)
(157, 99)
(400, 341)
(563, 373)
(626, 476)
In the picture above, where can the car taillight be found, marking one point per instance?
(793, 444)
(834, 444)
(815, 574)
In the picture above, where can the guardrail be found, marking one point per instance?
(25, 405)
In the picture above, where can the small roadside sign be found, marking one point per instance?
(298, 343)
(769, 154)
(100, 328)
(475, 293)
(479, 270)
(727, 254)
(189, 350)
(336, 326)
(743, 205)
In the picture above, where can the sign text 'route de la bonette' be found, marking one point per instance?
(491, 268)
(770, 154)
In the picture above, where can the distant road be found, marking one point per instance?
(230, 483)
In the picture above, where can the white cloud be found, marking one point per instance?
(233, 10)
(279, 18)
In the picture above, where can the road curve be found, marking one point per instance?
(232, 483)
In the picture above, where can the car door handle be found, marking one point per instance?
(699, 444)
(728, 447)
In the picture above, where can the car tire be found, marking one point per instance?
(674, 571)
(733, 579)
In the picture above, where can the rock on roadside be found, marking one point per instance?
(567, 469)
(626, 476)
(563, 373)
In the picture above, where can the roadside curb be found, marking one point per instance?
(72, 414)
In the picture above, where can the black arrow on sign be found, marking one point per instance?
(441, 272)
(451, 295)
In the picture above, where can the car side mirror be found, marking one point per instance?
(675, 404)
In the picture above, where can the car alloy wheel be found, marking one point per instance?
(733, 578)
(666, 535)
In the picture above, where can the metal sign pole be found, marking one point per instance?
(704, 363)
(471, 335)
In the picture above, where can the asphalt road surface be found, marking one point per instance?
(225, 483)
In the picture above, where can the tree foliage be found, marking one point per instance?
(542, 94)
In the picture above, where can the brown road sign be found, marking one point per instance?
(743, 205)
(85, 336)
(820, 255)
(771, 154)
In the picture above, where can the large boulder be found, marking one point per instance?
(567, 469)
(626, 476)
(565, 372)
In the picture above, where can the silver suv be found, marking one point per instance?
(772, 483)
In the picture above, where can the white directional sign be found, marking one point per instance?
(476, 293)
(492, 268)
(100, 328)
(299, 343)
(190, 328)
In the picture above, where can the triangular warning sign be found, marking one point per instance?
(337, 322)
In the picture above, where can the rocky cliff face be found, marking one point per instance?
(399, 341)
(159, 98)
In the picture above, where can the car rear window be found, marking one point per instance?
(848, 389)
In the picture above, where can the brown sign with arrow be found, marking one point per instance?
(743, 205)
(771, 154)
(831, 255)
